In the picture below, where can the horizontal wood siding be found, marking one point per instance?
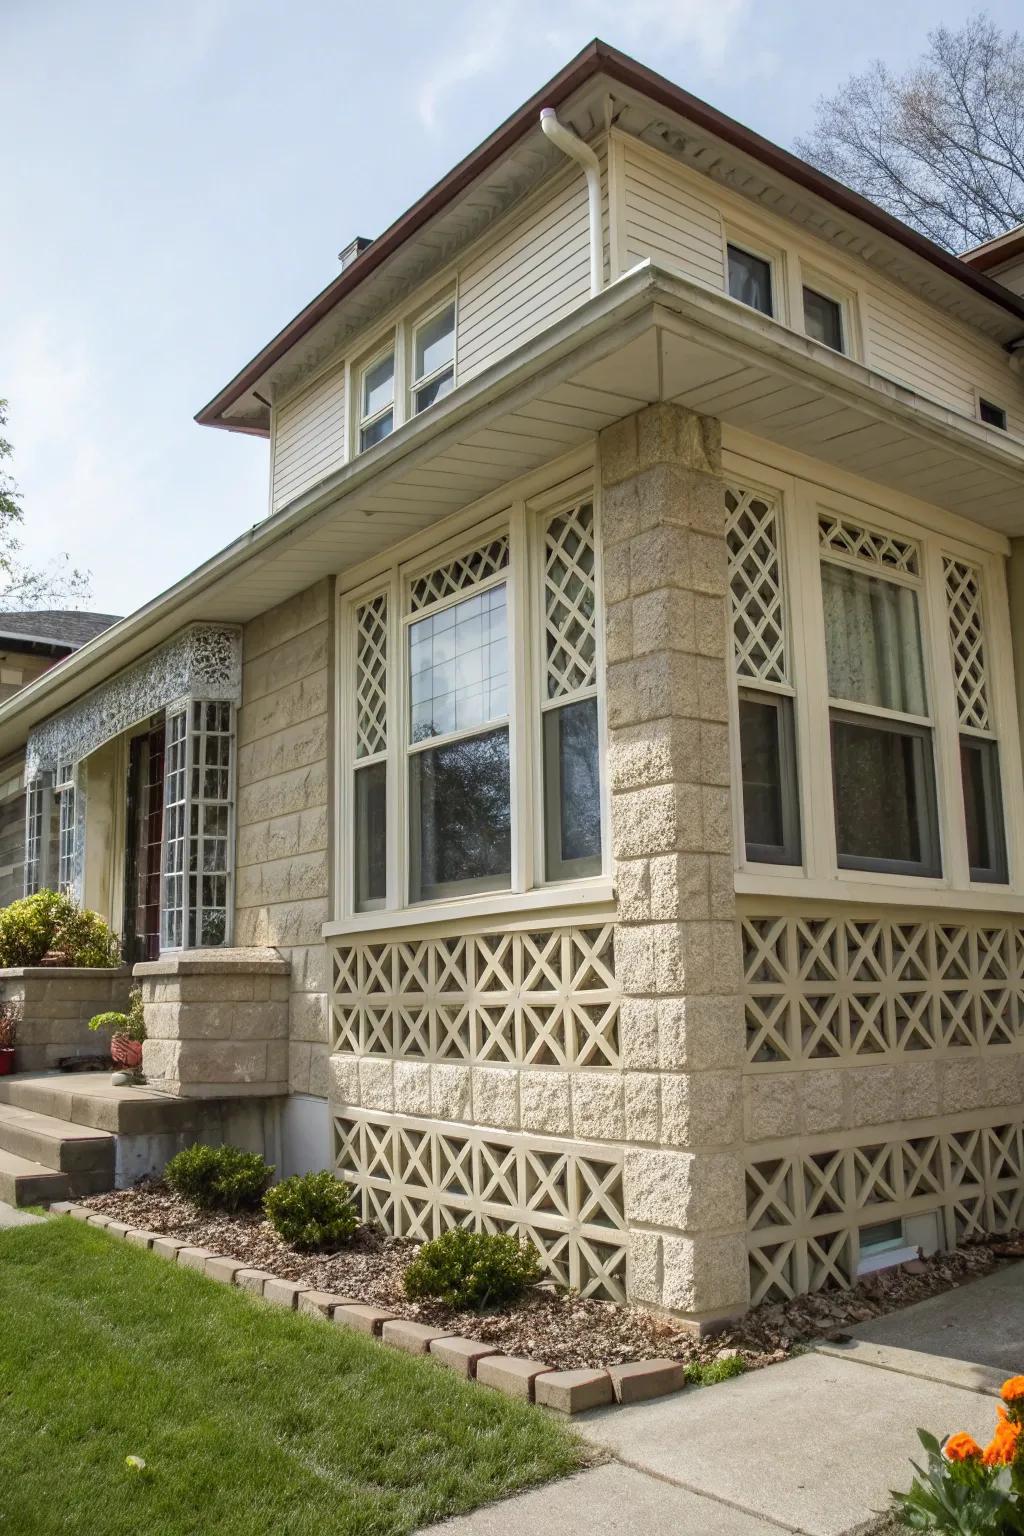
(532, 274)
(668, 222)
(309, 436)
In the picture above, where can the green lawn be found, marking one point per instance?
(251, 1420)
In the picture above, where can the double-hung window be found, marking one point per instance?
(750, 279)
(377, 400)
(474, 717)
(433, 357)
(823, 319)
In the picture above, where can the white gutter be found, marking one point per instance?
(572, 145)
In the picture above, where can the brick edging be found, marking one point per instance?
(568, 1392)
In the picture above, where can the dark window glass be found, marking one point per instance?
(983, 809)
(371, 800)
(771, 822)
(750, 279)
(378, 430)
(572, 786)
(823, 319)
(884, 785)
(460, 817)
(992, 415)
(435, 390)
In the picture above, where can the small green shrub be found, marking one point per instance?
(132, 1023)
(707, 1373)
(311, 1211)
(219, 1178)
(472, 1269)
(48, 920)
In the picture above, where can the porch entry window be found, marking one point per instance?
(890, 718)
(475, 725)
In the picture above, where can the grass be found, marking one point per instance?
(710, 1372)
(250, 1419)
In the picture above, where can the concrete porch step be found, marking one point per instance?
(90, 1099)
(23, 1182)
(57, 1144)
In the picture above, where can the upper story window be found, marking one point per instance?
(992, 415)
(472, 770)
(909, 784)
(823, 319)
(377, 400)
(750, 279)
(433, 358)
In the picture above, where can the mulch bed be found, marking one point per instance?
(559, 1328)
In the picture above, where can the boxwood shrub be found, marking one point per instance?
(219, 1178)
(312, 1211)
(47, 920)
(472, 1270)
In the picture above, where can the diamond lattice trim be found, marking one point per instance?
(756, 598)
(844, 537)
(459, 574)
(805, 1209)
(966, 639)
(834, 988)
(547, 998)
(418, 1178)
(569, 602)
(372, 676)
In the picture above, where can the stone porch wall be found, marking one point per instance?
(283, 823)
(57, 1003)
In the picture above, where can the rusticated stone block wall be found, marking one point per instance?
(56, 1004)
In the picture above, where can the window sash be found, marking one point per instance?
(368, 420)
(443, 373)
(988, 812)
(925, 799)
(750, 279)
(787, 850)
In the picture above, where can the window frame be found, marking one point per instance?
(415, 325)
(775, 260)
(388, 349)
(523, 520)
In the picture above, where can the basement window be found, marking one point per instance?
(992, 415)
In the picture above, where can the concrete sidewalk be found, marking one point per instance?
(812, 1446)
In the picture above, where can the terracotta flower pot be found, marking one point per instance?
(126, 1052)
(6, 1060)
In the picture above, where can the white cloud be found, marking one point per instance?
(477, 54)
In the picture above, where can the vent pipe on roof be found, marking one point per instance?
(354, 248)
(572, 145)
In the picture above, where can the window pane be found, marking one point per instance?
(435, 342)
(458, 666)
(379, 385)
(572, 782)
(873, 641)
(884, 788)
(460, 817)
(983, 811)
(768, 765)
(381, 428)
(370, 836)
(750, 279)
(435, 390)
(823, 319)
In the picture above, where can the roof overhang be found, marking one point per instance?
(997, 252)
(599, 85)
(650, 336)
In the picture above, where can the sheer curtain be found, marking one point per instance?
(873, 641)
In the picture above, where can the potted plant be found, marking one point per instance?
(8, 1031)
(129, 1032)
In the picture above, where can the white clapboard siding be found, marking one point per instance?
(309, 436)
(533, 273)
(668, 222)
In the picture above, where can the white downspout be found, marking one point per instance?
(572, 145)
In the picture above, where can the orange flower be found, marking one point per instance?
(1000, 1449)
(1013, 1389)
(961, 1447)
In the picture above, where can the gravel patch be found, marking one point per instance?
(558, 1327)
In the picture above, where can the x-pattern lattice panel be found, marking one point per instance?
(756, 588)
(569, 602)
(372, 676)
(829, 988)
(843, 537)
(418, 1178)
(545, 998)
(805, 1209)
(458, 574)
(967, 642)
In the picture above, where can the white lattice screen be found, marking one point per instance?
(805, 1208)
(756, 595)
(530, 998)
(841, 536)
(458, 574)
(372, 676)
(418, 1178)
(569, 602)
(821, 988)
(966, 639)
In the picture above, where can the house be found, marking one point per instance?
(590, 801)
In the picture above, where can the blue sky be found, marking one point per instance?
(180, 175)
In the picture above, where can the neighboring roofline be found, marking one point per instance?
(45, 643)
(596, 58)
(995, 252)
